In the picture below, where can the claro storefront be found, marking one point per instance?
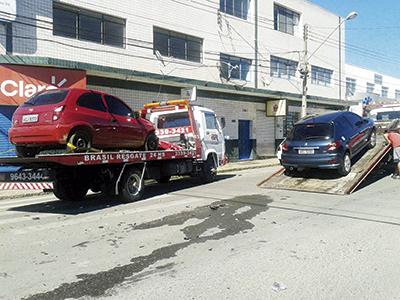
(19, 82)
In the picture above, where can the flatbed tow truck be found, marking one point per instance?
(198, 151)
(327, 182)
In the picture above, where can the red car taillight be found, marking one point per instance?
(285, 147)
(334, 146)
(57, 112)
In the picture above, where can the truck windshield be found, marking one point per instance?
(48, 97)
(311, 131)
(173, 120)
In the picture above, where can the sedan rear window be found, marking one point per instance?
(48, 97)
(173, 120)
(311, 131)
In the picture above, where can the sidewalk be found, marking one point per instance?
(248, 164)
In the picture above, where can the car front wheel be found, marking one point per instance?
(151, 143)
(345, 165)
(372, 140)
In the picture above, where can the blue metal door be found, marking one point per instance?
(245, 145)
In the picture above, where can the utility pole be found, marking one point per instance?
(304, 70)
(340, 58)
(256, 44)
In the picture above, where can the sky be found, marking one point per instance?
(373, 38)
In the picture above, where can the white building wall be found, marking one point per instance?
(321, 23)
(232, 36)
(364, 76)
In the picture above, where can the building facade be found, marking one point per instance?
(364, 84)
(243, 56)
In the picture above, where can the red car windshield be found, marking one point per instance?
(48, 97)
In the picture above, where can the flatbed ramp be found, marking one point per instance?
(327, 181)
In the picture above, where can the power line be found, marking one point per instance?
(132, 44)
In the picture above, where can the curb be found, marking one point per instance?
(240, 168)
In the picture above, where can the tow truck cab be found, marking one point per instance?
(180, 123)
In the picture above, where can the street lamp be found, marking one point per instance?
(305, 69)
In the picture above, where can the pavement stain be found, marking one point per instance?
(83, 244)
(95, 285)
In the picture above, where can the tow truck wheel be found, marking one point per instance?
(151, 143)
(23, 151)
(345, 165)
(208, 173)
(69, 191)
(131, 186)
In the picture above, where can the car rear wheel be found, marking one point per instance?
(372, 140)
(345, 165)
(79, 141)
(23, 151)
(151, 143)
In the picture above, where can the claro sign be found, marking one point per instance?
(18, 83)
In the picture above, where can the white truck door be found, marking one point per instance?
(213, 135)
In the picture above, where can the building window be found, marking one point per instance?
(370, 88)
(285, 20)
(233, 67)
(73, 22)
(177, 45)
(321, 76)
(350, 87)
(397, 94)
(385, 91)
(378, 79)
(283, 68)
(237, 8)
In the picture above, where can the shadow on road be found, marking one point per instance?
(97, 202)
(383, 170)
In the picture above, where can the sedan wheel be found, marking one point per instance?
(372, 140)
(345, 166)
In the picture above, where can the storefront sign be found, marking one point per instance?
(18, 83)
(276, 108)
(8, 10)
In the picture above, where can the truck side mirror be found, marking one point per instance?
(136, 114)
(223, 122)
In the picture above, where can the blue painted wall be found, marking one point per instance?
(6, 112)
(6, 149)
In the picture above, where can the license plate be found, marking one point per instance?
(30, 118)
(306, 151)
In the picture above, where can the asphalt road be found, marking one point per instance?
(251, 243)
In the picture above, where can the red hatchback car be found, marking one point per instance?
(78, 117)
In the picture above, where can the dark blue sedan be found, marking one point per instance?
(327, 141)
